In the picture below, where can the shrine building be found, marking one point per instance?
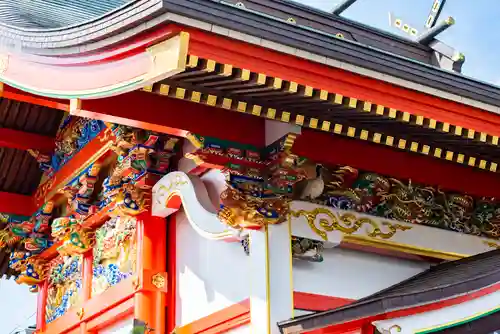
(254, 166)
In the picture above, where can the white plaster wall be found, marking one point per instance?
(211, 275)
(240, 330)
(122, 327)
(352, 274)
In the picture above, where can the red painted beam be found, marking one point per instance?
(238, 315)
(318, 303)
(26, 141)
(173, 116)
(331, 149)
(16, 204)
(96, 150)
(19, 95)
(170, 115)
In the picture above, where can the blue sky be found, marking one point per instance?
(475, 32)
(17, 306)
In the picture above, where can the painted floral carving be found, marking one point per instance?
(275, 165)
(7, 238)
(74, 237)
(114, 253)
(32, 271)
(129, 201)
(79, 192)
(245, 204)
(34, 231)
(350, 189)
(74, 133)
(144, 157)
(64, 286)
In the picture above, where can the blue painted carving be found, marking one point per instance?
(74, 133)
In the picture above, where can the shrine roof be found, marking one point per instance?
(441, 282)
(53, 14)
(312, 30)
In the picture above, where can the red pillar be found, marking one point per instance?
(172, 270)
(87, 274)
(149, 306)
(41, 305)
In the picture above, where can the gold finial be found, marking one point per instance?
(450, 21)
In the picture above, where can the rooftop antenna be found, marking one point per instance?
(342, 6)
(428, 36)
(431, 30)
(434, 13)
(444, 56)
(404, 26)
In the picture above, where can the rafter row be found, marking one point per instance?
(327, 126)
(209, 74)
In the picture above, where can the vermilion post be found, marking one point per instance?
(172, 270)
(87, 273)
(41, 305)
(151, 249)
(158, 228)
(141, 299)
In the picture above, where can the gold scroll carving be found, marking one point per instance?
(347, 223)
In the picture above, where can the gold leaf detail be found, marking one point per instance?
(346, 223)
(158, 280)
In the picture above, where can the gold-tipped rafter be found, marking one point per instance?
(242, 87)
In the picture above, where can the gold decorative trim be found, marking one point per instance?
(347, 223)
(158, 281)
(135, 282)
(289, 89)
(492, 244)
(76, 105)
(168, 57)
(289, 141)
(196, 141)
(403, 248)
(80, 313)
(366, 106)
(196, 159)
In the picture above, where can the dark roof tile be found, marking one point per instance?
(444, 281)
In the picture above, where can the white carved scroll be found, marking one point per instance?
(176, 188)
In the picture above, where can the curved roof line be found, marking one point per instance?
(385, 55)
(445, 281)
(55, 15)
(100, 27)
